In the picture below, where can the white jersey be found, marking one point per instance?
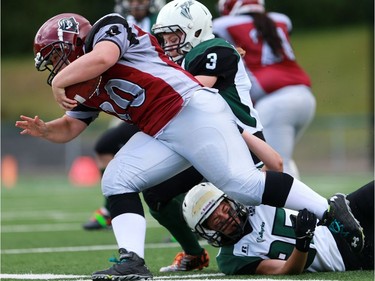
(273, 237)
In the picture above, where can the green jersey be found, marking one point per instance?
(216, 57)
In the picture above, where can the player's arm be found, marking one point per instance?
(295, 264)
(104, 55)
(271, 159)
(207, 81)
(304, 227)
(216, 62)
(60, 130)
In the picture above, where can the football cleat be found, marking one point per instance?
(184, 262)
(100, 220)
(340, 220)
(129, 267)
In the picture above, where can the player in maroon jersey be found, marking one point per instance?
(279, 84)
(143, 14)
(182, 124)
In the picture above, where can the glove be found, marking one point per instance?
(304, 226)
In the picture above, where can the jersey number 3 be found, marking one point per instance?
(212, 57)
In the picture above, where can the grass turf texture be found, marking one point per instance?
(41, 232)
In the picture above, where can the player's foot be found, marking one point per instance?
(340, 220)
(99, 220)
(184, 262)
(128, 267)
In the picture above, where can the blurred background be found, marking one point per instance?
(333, 41)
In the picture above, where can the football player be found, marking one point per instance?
(182, 124)
(184, 30)
(272, 241)
(279, 84)
(142, 13)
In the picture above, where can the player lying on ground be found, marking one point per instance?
(269, 240)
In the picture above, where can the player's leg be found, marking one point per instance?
(362, 205)
(277, 130)
(141, 163)
(226, 163)
(164, 201)
(108, 144)
(295, 107)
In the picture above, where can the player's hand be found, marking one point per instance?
(35, 127)
(60, 97)
(304, 226)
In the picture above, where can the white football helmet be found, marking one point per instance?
(200, 202)
(191, 17)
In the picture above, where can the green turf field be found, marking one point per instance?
(41, 234)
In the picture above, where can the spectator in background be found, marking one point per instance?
(142, 13)
(281, 89)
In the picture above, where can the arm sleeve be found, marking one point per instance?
(114, 28)
(83, 113)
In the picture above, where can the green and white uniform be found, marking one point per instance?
(216, 57)
(273, 237)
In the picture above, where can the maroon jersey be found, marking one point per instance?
(144, 87)
(269, 71)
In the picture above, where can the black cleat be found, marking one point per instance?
(340, 220)
(129, 267)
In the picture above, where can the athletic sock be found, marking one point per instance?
(301, 196)
(130, 232)
(282, 190)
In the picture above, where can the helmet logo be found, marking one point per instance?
(185, 9)
(69, 25)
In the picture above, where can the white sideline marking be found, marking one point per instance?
(42, 276)
(192, 277)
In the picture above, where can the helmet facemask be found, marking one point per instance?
(237, 219)
(181, 47)
(53, 57)
(204, 200)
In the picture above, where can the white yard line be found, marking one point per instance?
(193, 277)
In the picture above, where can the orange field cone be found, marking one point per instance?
(84, 172)
(9, 171)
